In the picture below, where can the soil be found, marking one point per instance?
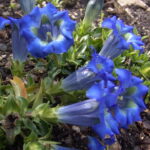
(137, 137)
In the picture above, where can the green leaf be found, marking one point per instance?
(45, 113)
(31, 126)
(39, 96)
(145, 69)
(23, 104)
(17, 68)
(31, 138)
(53, 88)
(33, 146)
(11, 106)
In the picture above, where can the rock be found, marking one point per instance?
(123, 6)
(139, 3)
(3, 47)
(146, 124)
(76, 128)
(115, 146)
(148, 9)
(5, 13)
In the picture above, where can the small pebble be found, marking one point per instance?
(5, 13)
(76, 128)
(3, 47)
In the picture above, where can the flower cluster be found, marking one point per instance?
(121, 38)
(119, 97)
(100, 67)
(121, 102)
(114, 95)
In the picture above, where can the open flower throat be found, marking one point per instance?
(47, 31)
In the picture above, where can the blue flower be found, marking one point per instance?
(83, 113)
(47, 30)
(43, 31)
(100, 64)
(135, 41)
(19, 45)
(121, 102)
(117, 25)
(104, 92)
(27, 5)
(94, 144)
(80, 79)
(97, 69)
(4, 22)
(108, 126)
(121, 38)
(130, 98)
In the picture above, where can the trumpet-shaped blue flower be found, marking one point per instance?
(104, 94)
(121, 38)
(47, 30)
(97, 69)
(83, 113)
(80, 79)
(94, 144)
(19, 45)
(130, 98)
(41, 32)
(117, 25)
(121, 102)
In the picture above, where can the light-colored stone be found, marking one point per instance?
(3, 47)
(148, 9)
(122, 6)
(6, 13)
(76, 128)
(139, 3)
(115, 146)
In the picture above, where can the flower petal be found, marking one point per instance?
(124, 76)
(4, 22)
(94, 144)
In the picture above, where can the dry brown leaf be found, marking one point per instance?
(19, 87)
